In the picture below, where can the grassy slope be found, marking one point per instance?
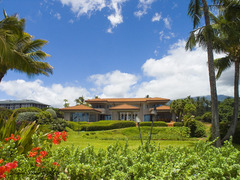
(102, 139)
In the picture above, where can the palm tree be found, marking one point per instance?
(227, 29)
(18, 50)
(197, 9)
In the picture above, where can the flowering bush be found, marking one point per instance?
(202, 161)
(7, 168)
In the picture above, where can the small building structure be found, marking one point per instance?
(81, 113)
(119, 109)
(15, 104)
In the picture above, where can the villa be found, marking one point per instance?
(119, 109)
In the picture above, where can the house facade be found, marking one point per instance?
(120, 109)
(15, 104)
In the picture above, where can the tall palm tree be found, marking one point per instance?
(197, 9)
(227, 29)
(18, 50)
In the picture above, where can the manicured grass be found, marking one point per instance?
(102, 139)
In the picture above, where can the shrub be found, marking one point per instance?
(117, 125)
(100, 125)
(76, 126)
(178, 124)
(207, 117)
(26, 109)
(52, 112)
(197, 129)
(155, 124)
(27, 116)
(58, 124)
(224, 126)
(44, 117)
(5, 113)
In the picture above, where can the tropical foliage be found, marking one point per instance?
(18, 50)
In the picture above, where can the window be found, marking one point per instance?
(147, 117)
(79, 116)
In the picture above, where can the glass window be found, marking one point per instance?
(147, 117)
(79, 116)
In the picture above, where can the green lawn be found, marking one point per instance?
(102, 139)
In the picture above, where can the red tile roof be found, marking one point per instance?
(124, 107)
(79, 108)
(163, 108)
(124, 100)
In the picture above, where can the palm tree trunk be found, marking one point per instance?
(212, 79)
(233, 125)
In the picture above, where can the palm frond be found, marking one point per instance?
(195, 12)
(221, 65)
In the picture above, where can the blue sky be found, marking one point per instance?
(111, 48)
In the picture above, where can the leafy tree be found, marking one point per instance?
(189, 109)
(80, 100)
(197, 9)
(18, 50)
(66, 104)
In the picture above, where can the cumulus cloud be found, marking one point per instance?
(156, 17)
(114, 84)
(179, 74)
(53, 95)
(115, 18)
(143, 6)
(84, 6)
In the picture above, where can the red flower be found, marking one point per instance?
(10, 166)
(2, 171)
(49, 136)
(38, 159)
(1, 160)
(55, 163)
(43, 153)
(32, 154)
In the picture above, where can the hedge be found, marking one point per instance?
(178, 124)
(100, 125)
(155, 124)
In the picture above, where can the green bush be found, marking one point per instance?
(116, 125)
(52, 112)
(155, 124)
(58, 124)
(27, 116)
(100, 125)
(197, 129)
(178, 124)
(26, 109)
(76, 126)
(5, 113)
(207, 117)
(236, 137)
(224, 126)
(44, 117)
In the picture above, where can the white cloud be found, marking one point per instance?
(156, 17)
(53, 95)
(143, 6)
(179, 74)
(115, 18)
(58, 16)
(81, 7)
(114, 84)
(163, 35)
(167, 22)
